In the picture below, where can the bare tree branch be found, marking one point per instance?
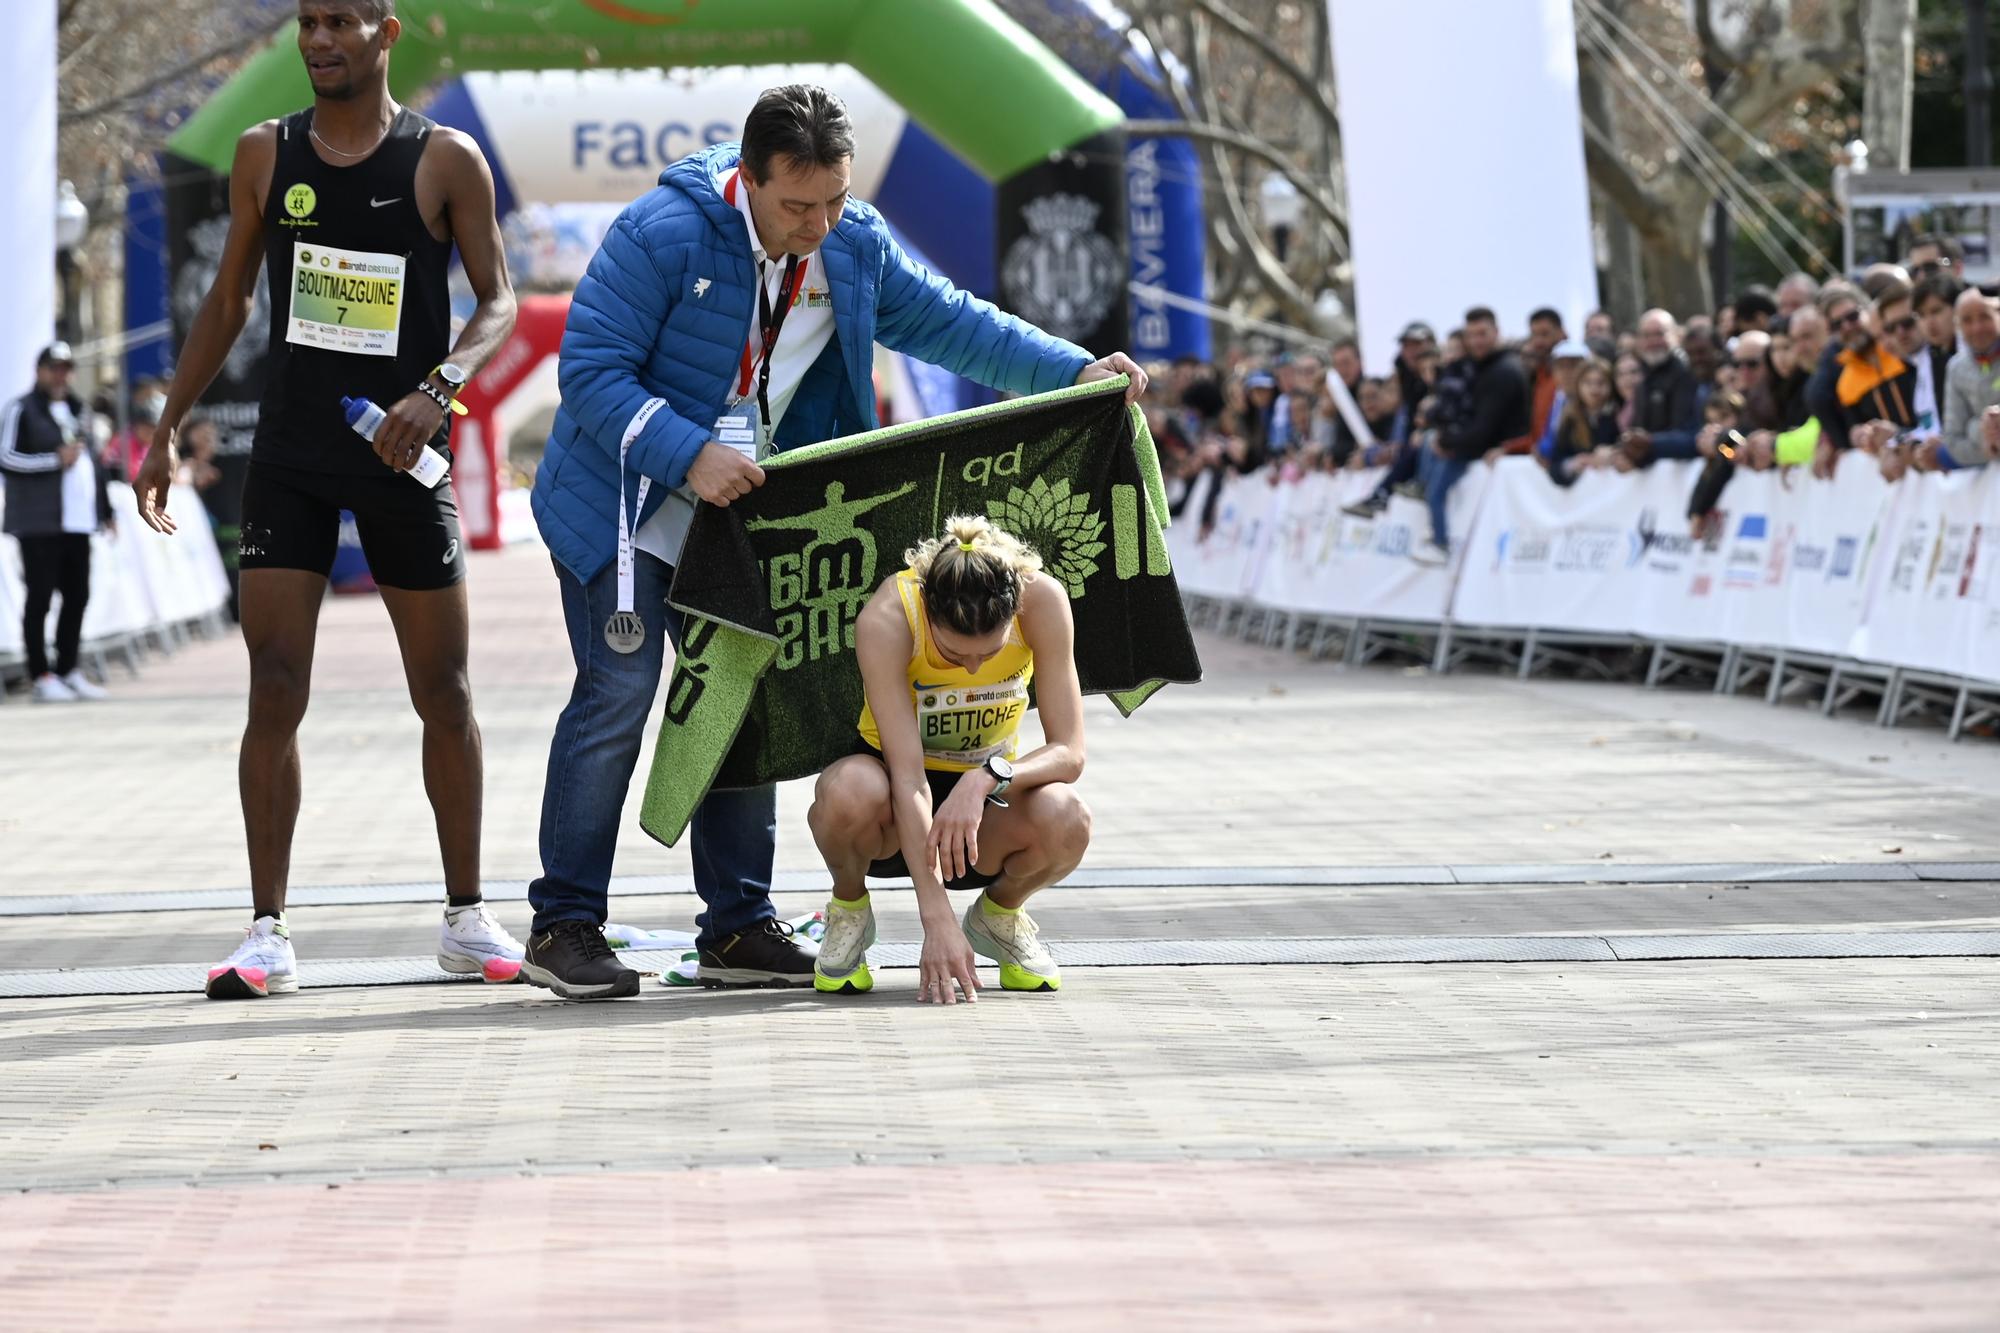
(84, 48)
(1281, 60)
(1778, 71)
(1289, 295)
(1714, 56)
(1242, 143)
(1619, 182)
(234, 46)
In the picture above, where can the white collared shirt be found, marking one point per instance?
(803, 336)
(79, 479)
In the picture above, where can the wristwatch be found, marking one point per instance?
(1002, 773)
(454, 376)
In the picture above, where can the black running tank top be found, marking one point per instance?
(360, 303)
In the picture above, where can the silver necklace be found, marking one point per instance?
(313, 130)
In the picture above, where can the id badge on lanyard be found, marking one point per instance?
(735, 428)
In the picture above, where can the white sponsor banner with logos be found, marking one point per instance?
(575, 136)
(1784, 567)
(1286, 544)
(1933, 601)
(1324, 562)
(1901, 574)
(1214, 559)
(1549, 557)
(1829, 534)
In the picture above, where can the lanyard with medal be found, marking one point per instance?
(625, 632)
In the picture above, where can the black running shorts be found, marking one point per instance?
(893, 866)
(409, 531)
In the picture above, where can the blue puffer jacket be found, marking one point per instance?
(665, 310)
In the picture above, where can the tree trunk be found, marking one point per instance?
(1671, 242)
(1621, 292)
(1676, 267)
(1889, 45)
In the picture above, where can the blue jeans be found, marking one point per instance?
(597, 746)
(1406, 463)
(1438, 475)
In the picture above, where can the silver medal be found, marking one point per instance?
(625, 632)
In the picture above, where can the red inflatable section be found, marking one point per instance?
(492, 408)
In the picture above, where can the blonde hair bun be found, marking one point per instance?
(971, 573)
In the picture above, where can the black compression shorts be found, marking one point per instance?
(893, 866)
(409, 531)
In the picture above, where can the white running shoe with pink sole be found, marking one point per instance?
(472, 943)
(262, 966)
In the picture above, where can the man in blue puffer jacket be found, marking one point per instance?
(729, 313)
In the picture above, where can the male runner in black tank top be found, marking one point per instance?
(353, 207)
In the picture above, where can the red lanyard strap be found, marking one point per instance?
(769, 323)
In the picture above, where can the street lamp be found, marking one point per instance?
(72, 222)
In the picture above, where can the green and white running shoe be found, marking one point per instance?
(843, 952)
(1012, 940)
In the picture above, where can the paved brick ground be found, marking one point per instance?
(1324, 767)
(1566, 1242)
(1707, 1145)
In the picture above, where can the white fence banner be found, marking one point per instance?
(1829, 539)
(1933, 604)
(1548, 557)
(1897, 575)
(1216, 560)
(1286, 544)
(1327, 563)
(139, 580)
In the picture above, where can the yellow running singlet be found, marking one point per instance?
(963, 717)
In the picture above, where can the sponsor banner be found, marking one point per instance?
(562, 136)
(1830, 541)
(1902, 574)
(1547, 557)
(1286, 544)
(1933, 601)
(1324, 562)
(1061, 258)
(1214, 557)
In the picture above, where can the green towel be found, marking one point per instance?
(776, 579)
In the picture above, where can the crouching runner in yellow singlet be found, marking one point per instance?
(947, 648)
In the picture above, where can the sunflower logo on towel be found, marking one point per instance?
(1062, 527)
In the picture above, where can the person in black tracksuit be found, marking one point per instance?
(56, 498)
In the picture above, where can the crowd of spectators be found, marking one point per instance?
(1902, 365)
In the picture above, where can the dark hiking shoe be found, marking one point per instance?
(767, 954)
(572, 959)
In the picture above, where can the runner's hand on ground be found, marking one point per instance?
(946, 959)
(156, 477)
(409, 426)
(721, 474)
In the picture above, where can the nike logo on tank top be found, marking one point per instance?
(360, 298)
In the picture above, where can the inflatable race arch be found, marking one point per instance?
(1006, 169)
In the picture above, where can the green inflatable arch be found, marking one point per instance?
(991, 92)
